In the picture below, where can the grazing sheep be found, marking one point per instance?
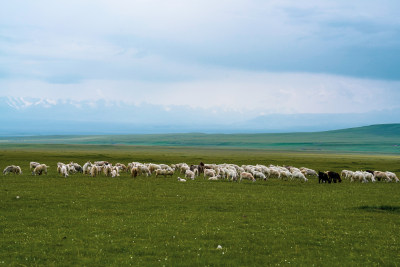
(71, 169)
(209, 173)
(274, 172)
(153, 167)
(247, 175)
(285, 174)
(114, 173)
(324, 178)
(116, 170)
(214, 178)
(294, 169)
(259, 175)
(144, 170)
(184, 168)
(64, 170)
(381, 176)
(134, 172)
(346, 174)
(12, 169)
(122, 167)
(232, 175)
(369, 176)
(94, 171)
(392, 176)
(107, 170)
(86, 167)
(32, 166)
(59, 167)
(299, 175)
(77, 167)
(308, 172)
(334, 176)
(266, 171)
(18, 170)
(39, 169)
(358, 176)
(164, 172)
(189, 174)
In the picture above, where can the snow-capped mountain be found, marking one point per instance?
(21, 102)
(30, 116)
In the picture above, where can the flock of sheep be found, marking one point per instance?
(372, 176)
(231, 172)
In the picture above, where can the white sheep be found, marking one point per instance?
(232, 175)
(308, 172)
(392, 176)
(71, 169)
(94, 171)
(247, 175)
(347, 174)
(41, 168)
(181, 180)
(274, 172)
(77, 167)
(285, 174)
(143, 169)
(64, 170)
(381, 176)
(153, 167)
(299, 175)
(12, 169)
(184, 168)
(259, 175)
(121, 167)
(32, 166)
(116, 170)
(189, 174)
(358, 176)
(107, 170)
(86, 166)
(369, 176)
(209, 173)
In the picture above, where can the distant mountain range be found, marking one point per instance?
(37, 116)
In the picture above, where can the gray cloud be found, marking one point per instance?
(245, 57)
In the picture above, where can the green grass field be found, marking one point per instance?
(155, 221)
(376, 139)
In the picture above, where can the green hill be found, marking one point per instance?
(383, 138)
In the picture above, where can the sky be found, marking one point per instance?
(227, 61)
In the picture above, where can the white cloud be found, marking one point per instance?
(226, 26)
(170, 53)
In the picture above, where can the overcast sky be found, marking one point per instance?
(247, 56)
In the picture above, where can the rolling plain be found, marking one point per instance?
(103, 221)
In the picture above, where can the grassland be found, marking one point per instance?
(155, 221)
(377, 139)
